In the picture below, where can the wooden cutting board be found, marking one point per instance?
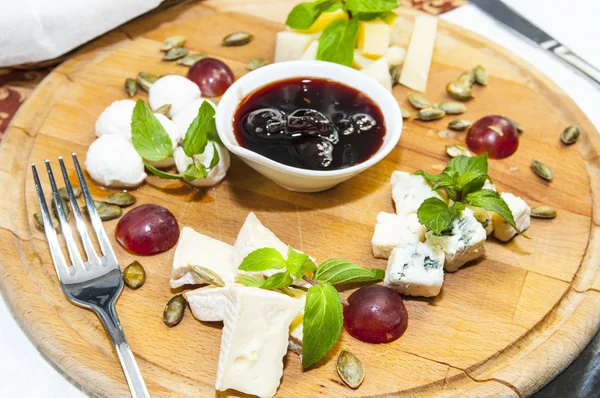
(501, 327)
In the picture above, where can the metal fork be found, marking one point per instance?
(94, 284)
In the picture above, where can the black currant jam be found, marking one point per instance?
(310, 123)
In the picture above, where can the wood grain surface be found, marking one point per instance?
(501, 327)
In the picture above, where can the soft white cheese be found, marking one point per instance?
(186, 115)
(415, 71)
(291, 45)
(116, 119)
(521, 213)
(112, 161)
(392, 230)
(216, 175)
(409, 191)
(396, 55)
(175, 90)
(254, 340)
(463, 241)
(484, 217)
(360, 61)
(416, 269)
(311, 52)
(207, 303)
(194, 248)
(296, 327)
(174, 134)
(380, 71)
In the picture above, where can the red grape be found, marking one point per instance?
(148, 229)
(495, 135)
(212, 76)
(375, 314)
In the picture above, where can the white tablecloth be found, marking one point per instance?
(25, 372)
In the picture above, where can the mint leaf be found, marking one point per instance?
(337, 42)
(252, 281)
(197, 133)
(262, 260)
(371, 5)
(491, 201)
(432, 179)
(148, 136)
(277, 281)
(305, 14)
(435, 214)
(297, 262)
(195, 171)
(342, 271)
(162, 174)
(474, 185)
(465, 164)
(322, 323)
(215, 159)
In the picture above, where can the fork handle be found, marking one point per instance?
(111, 322)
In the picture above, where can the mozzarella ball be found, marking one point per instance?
(174, 134)
(112, 161)
(116, 119)
(172, 89)
(188, 113)
(216, 175)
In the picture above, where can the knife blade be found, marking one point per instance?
(509, 17)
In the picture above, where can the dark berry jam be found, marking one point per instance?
(310, 123)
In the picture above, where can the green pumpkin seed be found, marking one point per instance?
(455, 150)
(406, 114)
(452, 107)
(134, 275)
(517, 125)
(459, 125)
(65, 195)
(175, 53)
(256, 63)
(39, 222)
(459, 91)
(163, 110)
(481, 76)
(173, 42)
(418, 101)
(466, 78)
(237, 39)
(429, 114)
(64, 206)
(174, 310)
(131, 87)
(350, 369)
(542, 170)
(106, 211)
(395, 72)
(122, 199)
(208, 276)
(191, 59)
(145, 80)
(546, 212)
(570, 135)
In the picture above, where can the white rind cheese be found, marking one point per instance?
(254, 340)
(409, 191)
(291, 45)
(521, 213)
(193, 248)
(392, 230)
(416, 269)
(415, 71)
(464, 241)
(207, 303)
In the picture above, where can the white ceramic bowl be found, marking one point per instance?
(293, 178)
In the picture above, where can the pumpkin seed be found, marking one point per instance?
(418, 101)
(405, 113)
(191, 59)
(546, 212)
(65, 195)
(350, 369)
(256, 63)
(134, 275)
(145, 80)
(395, 72)
(429, 114)
(459, 125)
(175, 53)
(570, 135)
(517, 125)
(208, 276)
(237, 39)
(466, 78)
(64, 206)
(173, 42)
(174, 310)
(106, 211)
(455, 150)
(122, 199)
(163, 110)
(459, 91)
(131, 87)
(452, 107)
(39, 222)
(542, 170)
(481, 76)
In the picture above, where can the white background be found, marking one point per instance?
(25, 372)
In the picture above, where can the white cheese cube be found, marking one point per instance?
(484, 217)
(254, 340)
(396, 55)
(380, 71)
(392, 230)
(416, 269)
(193, 248)
(415, 71)
(463, 241)
(291, 45)
(373, 38)
(409, 191)
(311, 52)
(207, 303)
(360, 61)
(521, 213)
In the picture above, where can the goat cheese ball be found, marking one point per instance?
(116, 119)
(112, 161)
(216, 175)
(172, 89)
(174, 133)
(188, 113)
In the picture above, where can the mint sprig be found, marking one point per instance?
(305, 14)
(371, 6)
(148, 136)
(342, 271)
(337, 42)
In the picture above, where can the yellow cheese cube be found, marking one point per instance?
(360, 61)
(373, 38)
(323, 20)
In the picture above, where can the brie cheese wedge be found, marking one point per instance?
(392, 230)
(521, 213)
(409, 191)
(207, 303)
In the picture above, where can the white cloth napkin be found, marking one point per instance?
(38, 30)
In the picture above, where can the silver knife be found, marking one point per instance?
(509, 17)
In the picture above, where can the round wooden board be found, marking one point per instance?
(501, 327)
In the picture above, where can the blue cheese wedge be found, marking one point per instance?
(392, 230)
(409, 191)
(416, 269)
(462, 241)
(207, 303)
(521, 213)
(254, 340)
(194, 248)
